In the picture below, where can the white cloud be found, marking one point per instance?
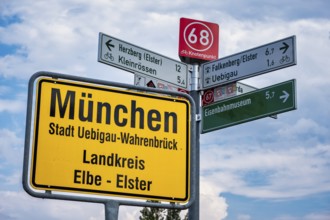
(243, 217)
(129, 213)
(303, 127)
(4, 89)
(19, 205)
(11, 159)
(212, 206)
(10, 148)
(286, 217)
(12, 106)
(11, 180)
(317, 216)
(284, 173)
(311, 216)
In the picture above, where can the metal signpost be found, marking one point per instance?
(198, 43)
(253, 62)
(250, 106)
(99, 139)
(123, 55)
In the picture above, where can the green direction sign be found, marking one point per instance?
(250, 106)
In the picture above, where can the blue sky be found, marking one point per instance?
(264, 169)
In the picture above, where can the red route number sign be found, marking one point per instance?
(198, 40)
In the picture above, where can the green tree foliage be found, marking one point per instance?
(152, 213)
(160, 214)
(173, 214)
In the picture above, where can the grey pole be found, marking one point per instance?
(111, 210)
(194, 209)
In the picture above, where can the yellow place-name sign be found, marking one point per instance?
(101, 140)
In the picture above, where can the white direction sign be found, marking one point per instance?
(256, 61)
(147, 81)
(132, 58)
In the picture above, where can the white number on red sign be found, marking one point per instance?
(198, 36)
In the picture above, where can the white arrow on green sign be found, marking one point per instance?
(250, 106)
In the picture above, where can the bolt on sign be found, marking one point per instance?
(103, 140)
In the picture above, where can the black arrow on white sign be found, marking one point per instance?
(109, 45)
(285, 47)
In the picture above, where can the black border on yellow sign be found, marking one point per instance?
(103, 192)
